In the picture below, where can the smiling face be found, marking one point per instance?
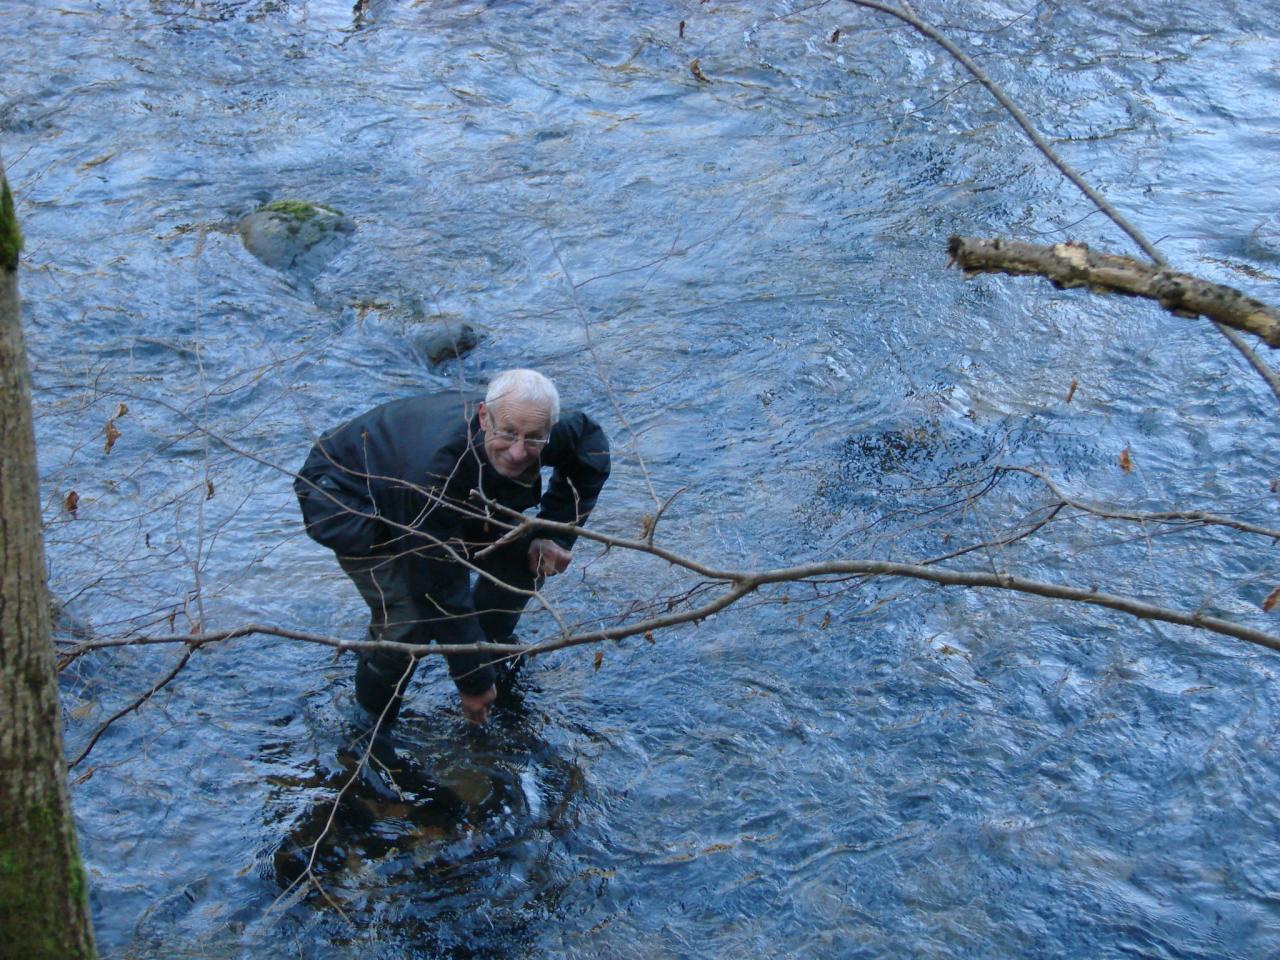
(515, 431)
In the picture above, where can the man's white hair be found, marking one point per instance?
(524, 386)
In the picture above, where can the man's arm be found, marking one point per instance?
(579, 456)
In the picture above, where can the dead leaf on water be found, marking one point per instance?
(1071, 392)
(835, 35)
(208, 489)
(113, 434)
(96, 161)
(1126, 462)
(71, 503)
(599, 658)
(1273, 598)
(696, 69)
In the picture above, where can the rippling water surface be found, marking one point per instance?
(745, 279)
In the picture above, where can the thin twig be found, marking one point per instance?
(124, 711)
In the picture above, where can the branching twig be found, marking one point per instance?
(1197, 517)
(155, 688)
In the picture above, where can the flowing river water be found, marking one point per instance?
(745, 280)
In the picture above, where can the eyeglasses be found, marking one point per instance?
(511, 439)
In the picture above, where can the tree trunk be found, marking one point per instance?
(44, 907)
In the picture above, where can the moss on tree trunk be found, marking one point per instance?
(44, 910)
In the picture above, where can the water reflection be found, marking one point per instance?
(397, 840)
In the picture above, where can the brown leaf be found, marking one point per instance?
(1126, 464)
(648, 635)
(696, 69)
(646, 525)
(72, 502)
(113, 435)
(208, 489)
(835, 35)
(826, 621)
(121, 410)
(599, 658)
(1272, 599)
(681, 29)
(1071, 391)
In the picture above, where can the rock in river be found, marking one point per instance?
(296, 236)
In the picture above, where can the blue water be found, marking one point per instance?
(745, 281)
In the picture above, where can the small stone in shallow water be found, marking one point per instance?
(436, 339)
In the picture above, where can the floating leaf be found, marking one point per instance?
(646, 526)
(1272, 599)
(96, 161)
(681, 29)
(826, 621)
(835, 35)
(208, 489)
(599, 658)
(113, 434)
(121, 410)
(1071, 391)
(648, 635)
(696, 69)
(1126, 464)
(72, 502)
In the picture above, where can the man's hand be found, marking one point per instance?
(547, 558)
(475, 706)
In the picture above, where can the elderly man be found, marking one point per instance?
(392, 493)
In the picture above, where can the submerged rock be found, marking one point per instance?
(1264, 241)
(296, 236)
(433, 338)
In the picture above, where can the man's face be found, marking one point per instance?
(514, 435)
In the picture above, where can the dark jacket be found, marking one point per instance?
(396, 481)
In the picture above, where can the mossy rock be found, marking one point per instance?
(296, 236)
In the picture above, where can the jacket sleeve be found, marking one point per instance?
(336, 508)
(579, 457)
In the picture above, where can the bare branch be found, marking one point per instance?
(1197, 517)
(1021, 119)
(1068, 265)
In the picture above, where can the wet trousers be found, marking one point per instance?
(396, 614)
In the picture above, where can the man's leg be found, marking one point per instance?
(394, 615)
(498, 607)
